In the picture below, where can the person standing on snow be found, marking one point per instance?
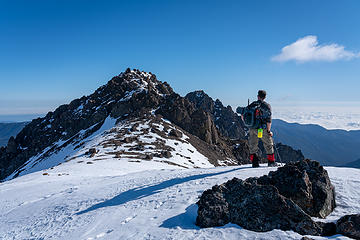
(261, 130)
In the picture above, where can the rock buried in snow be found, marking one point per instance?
(284, 200)
(349, 226)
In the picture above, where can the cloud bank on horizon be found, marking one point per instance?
(307, 49)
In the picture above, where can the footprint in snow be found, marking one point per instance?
(128, 219)
(100, 235)
(159, 205)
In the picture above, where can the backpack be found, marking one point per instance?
(253, 115)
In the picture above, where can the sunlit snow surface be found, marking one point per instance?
(106, 200)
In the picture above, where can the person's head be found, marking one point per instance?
(261, 94)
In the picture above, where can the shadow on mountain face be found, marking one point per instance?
(141, 192)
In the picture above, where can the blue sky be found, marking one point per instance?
(54, 51)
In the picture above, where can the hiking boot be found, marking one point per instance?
(254, 160)
(255, 164)
(272, 164)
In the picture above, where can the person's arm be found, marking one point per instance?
(268, 128)
(268, 122)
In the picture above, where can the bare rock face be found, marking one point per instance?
(285, 199)
(226, 120)
(349, 226)
(307, 184)
(182, 112)
(11, 146)
(288, 154)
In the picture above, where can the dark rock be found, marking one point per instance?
(307, 184)
(166, 154)
(183, 113)
(11, 146)
(92, 150)
(349, 226)
(254, 207)
(281, 200)
(288, 154)
(148, 157)
(328, 229)
(129, 139)
(241, 151)
(138, 147)
(175, 133)
(227, 122)
(306, 238)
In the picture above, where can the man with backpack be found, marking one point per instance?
(257, 116)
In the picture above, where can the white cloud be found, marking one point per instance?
(308, 49)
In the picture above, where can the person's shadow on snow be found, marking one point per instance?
(141, 192)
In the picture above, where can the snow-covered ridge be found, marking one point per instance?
(135, 140)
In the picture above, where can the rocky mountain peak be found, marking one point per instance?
(136, 81)
(227, 122)
(201, 100)
(131, 95)
(132, 92)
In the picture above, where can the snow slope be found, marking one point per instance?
(118, 143)
(107, 200)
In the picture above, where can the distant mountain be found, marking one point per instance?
(9, 129)
(329, 147)
(17, 118)
(354, 164)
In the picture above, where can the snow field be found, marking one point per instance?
(149, 204)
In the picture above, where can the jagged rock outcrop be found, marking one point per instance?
(254, 207)
(306, 183)
(281, 200)
(228, 123)
(288, 154)
(183, 113)
(349, 226)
